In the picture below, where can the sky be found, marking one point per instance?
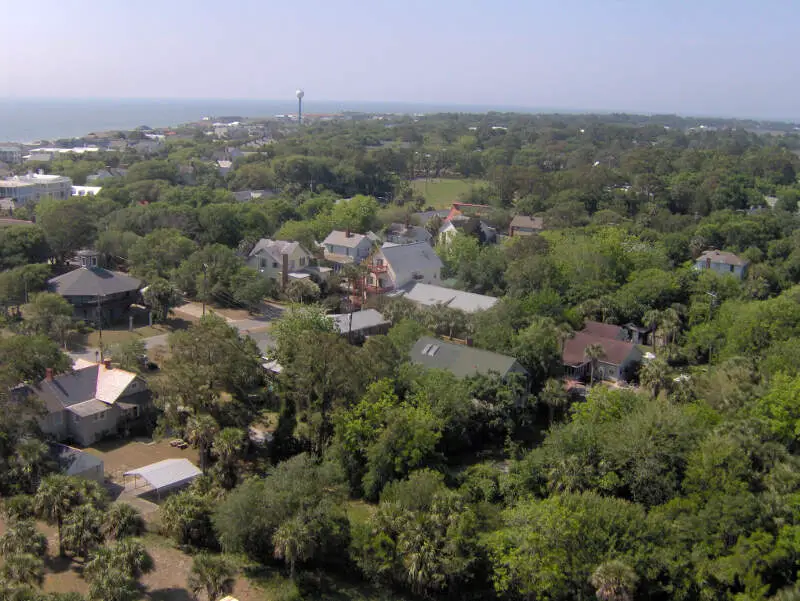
(692, 57)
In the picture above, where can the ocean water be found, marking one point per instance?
(28, 120)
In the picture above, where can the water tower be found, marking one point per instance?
(299, 94)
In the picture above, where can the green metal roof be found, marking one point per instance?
(462, 361)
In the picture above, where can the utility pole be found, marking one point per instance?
(100, 327)
(205, 286)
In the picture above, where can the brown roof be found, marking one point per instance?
(602, 330)
(720, 256)
(616, 351)
(523, 221)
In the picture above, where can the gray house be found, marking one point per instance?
(463, 361)
(722, 262)
(346, 248)
(358, 325)
(405, 233)
(95, 292)
(91, 402)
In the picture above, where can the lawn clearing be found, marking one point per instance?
(440, 193)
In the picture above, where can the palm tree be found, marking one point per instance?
(293, 542)
(594, 352)
(122, 521)
(54, 500)
(654, 376)
(614, 581)
(200, 431)
(651, 319)
(83, 530)
(213, 574)
(32, 459)
(669, 324)
(228, 447)
(23, 569)
(22, 537)
(554, 397)
(113, 571)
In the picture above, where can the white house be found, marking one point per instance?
(31, 188)
(392, 267)
(722, 262)
(277, 259)
(86, 190)
(346, 248)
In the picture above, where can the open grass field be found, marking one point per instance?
(442, 192)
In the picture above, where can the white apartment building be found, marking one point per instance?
(10, 154)
(31, 188)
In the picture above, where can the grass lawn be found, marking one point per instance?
(442, 192)
(120, 333)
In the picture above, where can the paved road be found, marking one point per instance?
(254, 327)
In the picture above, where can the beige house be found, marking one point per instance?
(278, 259)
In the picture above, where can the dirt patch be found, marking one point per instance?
(167, 582)
(121, 456)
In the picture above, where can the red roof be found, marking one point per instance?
(602, 330)
(456, 209)
(616, 351)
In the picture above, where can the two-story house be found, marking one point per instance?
(97, 294)
(393, 266)
(346, 248)
(723, 263)
(278, 259)
(91, 402)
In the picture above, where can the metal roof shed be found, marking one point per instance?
(169, 473)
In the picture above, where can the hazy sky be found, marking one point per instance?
(709, 57)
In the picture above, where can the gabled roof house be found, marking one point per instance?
(392, 267)
(91, 402)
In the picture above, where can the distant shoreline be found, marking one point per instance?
(29, 120)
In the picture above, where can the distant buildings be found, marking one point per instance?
(86, 190)
(722, 262)
(10, 154)
(30, 189)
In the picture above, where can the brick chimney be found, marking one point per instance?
(348, 233)
(107, 363)
(48, 374)
(285, 270)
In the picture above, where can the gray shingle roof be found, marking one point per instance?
(274, 248)
(93, 281)
(88, 408)
(461, 361)
(405, 259)
(362, 320)
(428, 295)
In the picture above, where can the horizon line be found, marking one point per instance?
(451, 106)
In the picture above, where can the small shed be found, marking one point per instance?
(166, 474)
(74, 462)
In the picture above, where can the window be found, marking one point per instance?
(302, 261)
(99, 417)
(291, 264)
(262, 262)
(275, 265)
(731, 268)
